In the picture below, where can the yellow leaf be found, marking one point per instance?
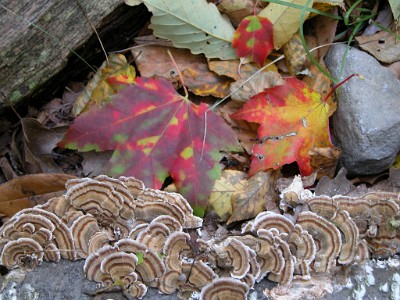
(219, 201)
(325, 5)
(257, 195)
(109, 79)
(285, 20)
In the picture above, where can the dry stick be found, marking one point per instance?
(94, 29)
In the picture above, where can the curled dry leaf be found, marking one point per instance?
(30, 190)
(106, 82)
(324, 160)
(296, 58)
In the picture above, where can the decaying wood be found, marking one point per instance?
(31, 60)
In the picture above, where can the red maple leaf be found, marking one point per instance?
(156, 132)
(293, 120)
(254, 39)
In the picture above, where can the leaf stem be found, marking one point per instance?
(179, 74)
(339, 84)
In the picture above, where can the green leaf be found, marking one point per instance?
(395, 6)
(140, 257)
(193, 24)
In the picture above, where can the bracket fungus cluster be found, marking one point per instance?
(135, 237)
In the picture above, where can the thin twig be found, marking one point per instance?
(94, 29)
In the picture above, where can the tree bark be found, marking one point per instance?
(31, 60)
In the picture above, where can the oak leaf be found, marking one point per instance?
(293, 120)
(157, 133)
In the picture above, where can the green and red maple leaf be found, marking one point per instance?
(253, 39)
(293, 120)
(157, 133)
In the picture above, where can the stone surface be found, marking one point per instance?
(366, 125)
(31, 60)
(379, 279)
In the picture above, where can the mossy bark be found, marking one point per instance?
(31, 60)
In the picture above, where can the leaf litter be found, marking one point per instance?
(152, 132)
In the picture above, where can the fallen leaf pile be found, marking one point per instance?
(157, 134)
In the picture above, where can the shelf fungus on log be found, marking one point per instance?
(136, 237)
(326, 237)
(233, 256)
(225, 288)
(361, 218)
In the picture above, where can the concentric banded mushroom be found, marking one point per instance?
(98, 198)
(175, 246)
(24, 253)
(224, 288)
(327, 237)
(82, 230)
(233, 255)
(151, 267)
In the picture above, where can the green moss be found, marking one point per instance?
(15, 96)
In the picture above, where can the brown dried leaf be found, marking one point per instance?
(383, 46)
(256, 196)
(246, 131)
(230, 68)
(295, 55)
(237, 10)
(324, 160)
(154, 61)
(321, 31)
(30, 190)
(256, 85)
(39, 141)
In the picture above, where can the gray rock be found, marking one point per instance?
(366, 125)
